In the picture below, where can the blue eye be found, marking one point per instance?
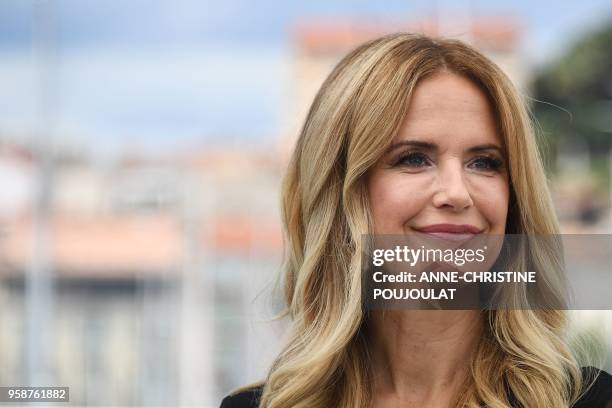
(413, 159)
(486, 163)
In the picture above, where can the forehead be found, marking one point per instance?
(449, 108)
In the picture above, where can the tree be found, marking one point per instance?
(574, 98)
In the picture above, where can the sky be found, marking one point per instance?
(159, 73)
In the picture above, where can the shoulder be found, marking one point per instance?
(599, 395)
(244, 399)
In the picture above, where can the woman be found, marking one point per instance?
(411, 134)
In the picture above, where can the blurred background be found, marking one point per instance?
(141, 149)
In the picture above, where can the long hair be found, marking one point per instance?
(353, 119)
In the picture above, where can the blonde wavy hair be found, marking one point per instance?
(351, 122)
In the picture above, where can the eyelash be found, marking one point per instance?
(493, 163)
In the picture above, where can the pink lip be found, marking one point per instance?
(451, 229)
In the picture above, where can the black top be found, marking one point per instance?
(598, 396)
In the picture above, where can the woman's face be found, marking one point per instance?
(445, 171)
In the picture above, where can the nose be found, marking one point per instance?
(451, 190)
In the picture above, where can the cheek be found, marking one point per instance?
(395, 198)
(491, 198)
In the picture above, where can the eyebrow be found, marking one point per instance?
(433, 146)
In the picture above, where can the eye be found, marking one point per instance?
(486, 163)
(413, 159)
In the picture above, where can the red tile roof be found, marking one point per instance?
(126, 246)
(340, 35)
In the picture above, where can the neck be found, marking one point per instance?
(422, 357)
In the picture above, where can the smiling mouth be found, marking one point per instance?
(453, 232)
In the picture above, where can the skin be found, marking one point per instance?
(421, 357)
